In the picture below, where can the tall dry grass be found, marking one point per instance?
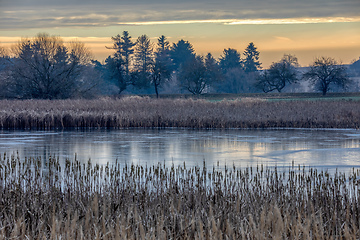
(160, 113)
(42, 199)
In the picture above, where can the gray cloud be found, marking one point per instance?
(44, 13)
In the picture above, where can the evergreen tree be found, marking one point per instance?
(213, 70)
(236, 80)
(116, 72)
(127, 50)
(181, 53)
(124, 49)
(251, 61)
(143, 61)
(163, 45)
(119, 64)
(230, 59)
(161, 70)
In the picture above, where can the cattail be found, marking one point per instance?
(114, 202)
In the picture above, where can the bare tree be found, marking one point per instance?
(193, 76)
(279, 74)
(43, 67)
(325, 72)
(3, 52)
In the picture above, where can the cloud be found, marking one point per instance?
(147, 18)
(20, 14)
(250, 21)
(295, 21)
(283, 39)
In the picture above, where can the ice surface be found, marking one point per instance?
(242, 148)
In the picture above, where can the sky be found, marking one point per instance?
(304, 28)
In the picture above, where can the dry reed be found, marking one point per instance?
(44, 199)
(145, 112)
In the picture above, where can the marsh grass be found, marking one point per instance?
(144, 112)
(48, 200)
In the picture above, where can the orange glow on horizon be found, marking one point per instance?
(306, 48)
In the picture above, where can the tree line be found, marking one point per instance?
(46, 67)
(143, 65)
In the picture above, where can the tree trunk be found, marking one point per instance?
(156, 90)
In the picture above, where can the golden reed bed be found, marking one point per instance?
(161, 113)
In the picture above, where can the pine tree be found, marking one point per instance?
(163, 45)
(181, 53)
(230, 59)
(118, 65)
(161, 70)
(143, 61)
(213, 71)
(124, 49)
(251, 62)
(143, 54)
(127, 50)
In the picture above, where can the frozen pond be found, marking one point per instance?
(329, 149)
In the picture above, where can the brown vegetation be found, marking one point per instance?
(161, 113)
(49, 200)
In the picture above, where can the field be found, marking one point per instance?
(208, 111)
(84, 201)
(266, 96)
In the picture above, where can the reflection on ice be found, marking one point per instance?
(242, 148)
